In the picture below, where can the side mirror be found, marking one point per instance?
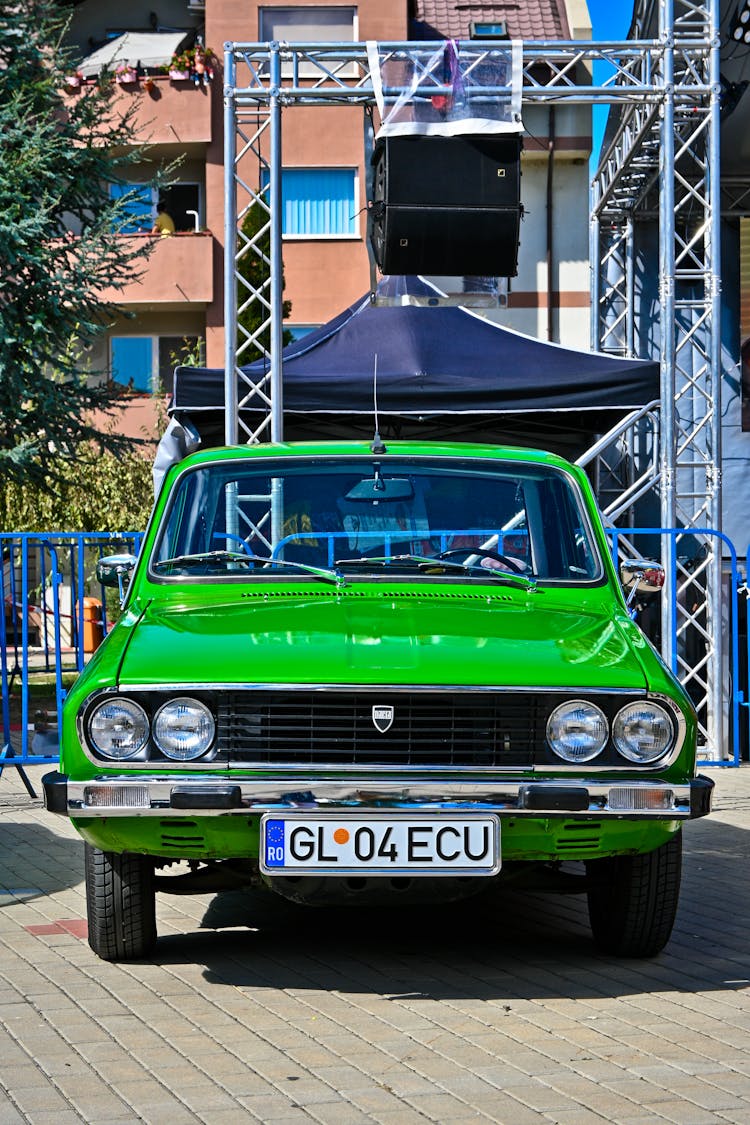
(643, 575)
(115, 570)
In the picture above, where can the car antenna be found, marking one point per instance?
(377, 445)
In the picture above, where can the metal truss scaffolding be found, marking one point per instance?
(657, 192)
(661, 166)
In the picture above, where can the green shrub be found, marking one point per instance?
(96, 492)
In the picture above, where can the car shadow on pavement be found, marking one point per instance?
(502, 945)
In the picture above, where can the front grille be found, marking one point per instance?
(429, 729)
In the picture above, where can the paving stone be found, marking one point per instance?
(501, 1107)
(271, 1109)
(683, 1113)
(523, 1026)
(340, 1113)
(580, 1116)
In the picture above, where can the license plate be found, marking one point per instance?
(379, 844)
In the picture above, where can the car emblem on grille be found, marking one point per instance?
(383, 716)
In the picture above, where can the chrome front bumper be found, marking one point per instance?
(573, 798)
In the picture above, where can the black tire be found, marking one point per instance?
(633, 900)
(121, 904)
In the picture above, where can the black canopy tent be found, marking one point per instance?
(443, 372)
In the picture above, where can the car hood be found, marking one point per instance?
(502, 636)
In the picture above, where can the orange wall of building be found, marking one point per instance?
(323, 276)
(238, 19)
(172, 113)
(177, 271)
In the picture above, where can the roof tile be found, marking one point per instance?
(525, 19)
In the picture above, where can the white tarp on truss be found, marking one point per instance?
(448, 88)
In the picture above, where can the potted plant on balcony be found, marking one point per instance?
(180, 66)
(74, 81)
(125, 74)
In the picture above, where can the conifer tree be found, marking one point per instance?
(60, 245)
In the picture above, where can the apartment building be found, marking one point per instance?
(176, 306)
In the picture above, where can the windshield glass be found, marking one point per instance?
(321, 519)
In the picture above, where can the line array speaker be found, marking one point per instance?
(447, 205)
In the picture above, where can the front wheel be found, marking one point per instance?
(121, 904)
(633, 900)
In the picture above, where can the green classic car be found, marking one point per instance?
(367, 673)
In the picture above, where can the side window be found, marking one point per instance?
(566, 541)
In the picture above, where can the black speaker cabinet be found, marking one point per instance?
(447, 205)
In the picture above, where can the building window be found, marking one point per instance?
(183, 203)
(144, 364)
(140, 208)
(297, 331)
(318, 202)
(309, 25)
(131, 361)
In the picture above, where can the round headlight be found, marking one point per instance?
(183, 729)
(118, 728)
(577, 731)
(642, 732)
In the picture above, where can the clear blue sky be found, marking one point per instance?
(610, 19)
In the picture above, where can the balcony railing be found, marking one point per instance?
(178, 271)
(167, 112)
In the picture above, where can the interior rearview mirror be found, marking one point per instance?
(380, 488)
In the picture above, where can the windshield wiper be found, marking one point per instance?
(318, 571)
(203, 557)
(419, 561)
(243, 557)
(426, 564)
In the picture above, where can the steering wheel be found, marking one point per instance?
(484, 553)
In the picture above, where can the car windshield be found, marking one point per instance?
(329, 519)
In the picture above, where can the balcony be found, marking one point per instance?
(167, 112)
(178, 272)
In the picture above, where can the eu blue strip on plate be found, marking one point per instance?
(274, 843)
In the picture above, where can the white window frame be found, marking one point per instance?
(307, 69)
(155, 338)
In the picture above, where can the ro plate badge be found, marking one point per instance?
(379, 844)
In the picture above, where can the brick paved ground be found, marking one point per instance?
(486, 1014)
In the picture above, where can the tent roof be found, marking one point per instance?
(147, 48)
(433, 362)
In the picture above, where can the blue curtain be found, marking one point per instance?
(138, 207)
(132, 361)
(317, 201)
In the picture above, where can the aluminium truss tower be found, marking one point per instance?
(658, 185)
(662, 164)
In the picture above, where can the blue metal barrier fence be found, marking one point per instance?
(54, 612)
(726, 643)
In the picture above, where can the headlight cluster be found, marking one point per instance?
(182, 729)
(578, 731)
